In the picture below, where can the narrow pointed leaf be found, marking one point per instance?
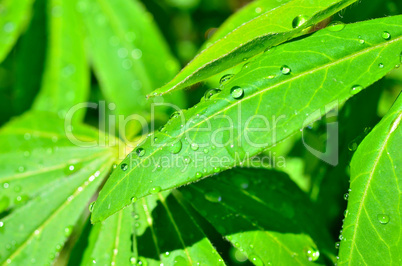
(270, 29)
(13, 19)
(372, 227)
(110, 241)
(263, 213)
(269, 100)
(246, 14)
(166, 233)
(129, 55)
(66, 76)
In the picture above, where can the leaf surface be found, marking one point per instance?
(65, 80)
(13, 19)
(253, 37)
(372, 227)
(110, 241)
(130, 57)
(264, 214)
(48, 178)
(166, 233)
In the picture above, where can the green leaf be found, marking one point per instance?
(264, 214)
(66, 76)
(268, 30)
(110, 241)
(224, 131)
(31, 48)
(129, 55)
(13, 19)
(249, 12)
(371, 232)
(166, 233)
(46, 177)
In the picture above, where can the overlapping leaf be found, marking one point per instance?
(270, 29)
(110, 241)
(166, 233)
(13, 19)
(372, 228)
(66, 76)
(48, 174)
(264, 214)
(129, 55)
(270, 99)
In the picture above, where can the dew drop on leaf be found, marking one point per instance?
(383, 218)
(217, 169)
(337, 245)
(194, 146)
(180, 261)
(336, 26)
(91, 206)
(155, 190)
(1, 224)
(198, 175)
(68, 230)
(209, 93)
(352, 146)
(298, 21)
(236, 92)
(386, 35)
(140, 152)
(285, 70)
(124, 167)
(133, 260)
(175, 147)
(381, 65)
(312, 254)
(256, 260)
(356, 89)
(346, 196)
(225, 78)
(133, 199)
(213, 196)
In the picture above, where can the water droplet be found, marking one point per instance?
(386, 35)
(361, 40)
(194, 146)
(175, 115)
(91, 206)
(1, 224)
(256, 260)
(381, 65)
(217, 169)
(133, 260)
(313, 254)
(206, 150)
(241, 182)
(236, 92)
(225, 78)
(356, 89)
(140, 152)
(133, 199)
(336, 26)
(383, 218)
(198, 175)
(346, 196)
(155, 190)
(298, 21)
(175, 147)
(124, 167)
(337, 245)
(5, 185)
(180, 261)
(209, 93)
(213, 196)
(9, 27)
(352, 146)
(285, 70)
(186, 159)
(68, 230)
